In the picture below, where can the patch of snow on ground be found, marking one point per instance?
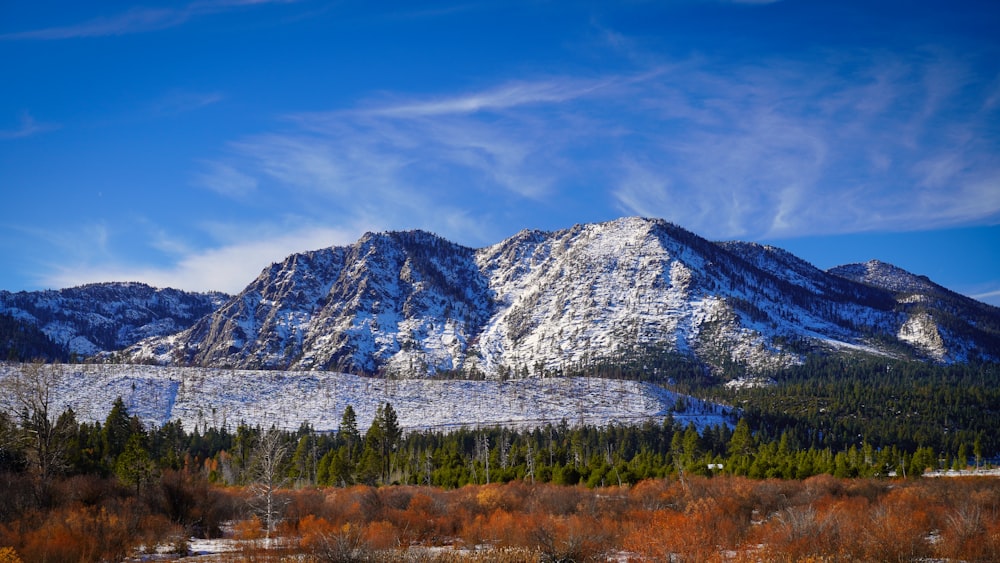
(750, 382)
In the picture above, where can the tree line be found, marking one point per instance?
(840, 402)
(121, 447)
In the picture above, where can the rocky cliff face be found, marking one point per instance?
(413, 304)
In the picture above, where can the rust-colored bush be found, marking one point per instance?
(381, 535)
(897, 527)
(79, 533)
(329, 543)
(9, 555)
(188, 499)
(970, 532)
(557, 500)
(304, 503)
(694, 519)
(574, 537)
(249, 529)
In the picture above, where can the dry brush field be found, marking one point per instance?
(694, 519)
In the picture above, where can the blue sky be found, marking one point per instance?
(191, 144)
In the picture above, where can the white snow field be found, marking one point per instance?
(203, 398)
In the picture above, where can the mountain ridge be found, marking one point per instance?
(93, 318)
(411, 303)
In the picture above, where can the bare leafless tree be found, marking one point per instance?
(267, 473)
(30, 390)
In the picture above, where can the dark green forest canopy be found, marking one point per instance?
(839, 402)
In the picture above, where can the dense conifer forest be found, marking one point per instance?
(842, 402)
(21, 341)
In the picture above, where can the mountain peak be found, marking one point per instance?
(885, 276)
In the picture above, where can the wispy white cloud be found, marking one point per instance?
(991, 297)
(783, 150)
(780, 148)
(28, 127)
(405, 158)
(500, 98)
(179, 101)
(227, 267)
(297, 161)
(135, 20)
(226, 180)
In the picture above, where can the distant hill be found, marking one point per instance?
(83, 321)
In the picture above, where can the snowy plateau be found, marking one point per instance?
(412, 304)
(215, 398)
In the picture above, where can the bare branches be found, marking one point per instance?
(31, 390)
(267, 474)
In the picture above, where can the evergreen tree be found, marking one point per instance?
(381, 441)
(116, 431)
(134, 465)
(349, 434)
(303, 463)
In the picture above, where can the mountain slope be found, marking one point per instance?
(357, 308)
(412, 304)
(94, 318)
(21, 341)
(940, 323)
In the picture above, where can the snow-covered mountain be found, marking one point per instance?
(413, 304)
(94, 318)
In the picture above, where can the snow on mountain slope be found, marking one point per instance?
(885, 276)
(93, 318)
(940, 324)
(603, 290)
(391, 302)
(200, 397)
(413, 304)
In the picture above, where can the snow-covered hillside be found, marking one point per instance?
(411, 304)
(100, 317)
(200, 397)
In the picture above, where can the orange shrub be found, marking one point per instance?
(971, 532)
(897, 527)
(381, 535)
(419, 521)
(79, 534)
(8, 555)
(250, 529)
(327, 542)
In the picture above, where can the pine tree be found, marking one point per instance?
(349, 434)
(116, 431)
(301, 471)
(134, 465)
(381, 441)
